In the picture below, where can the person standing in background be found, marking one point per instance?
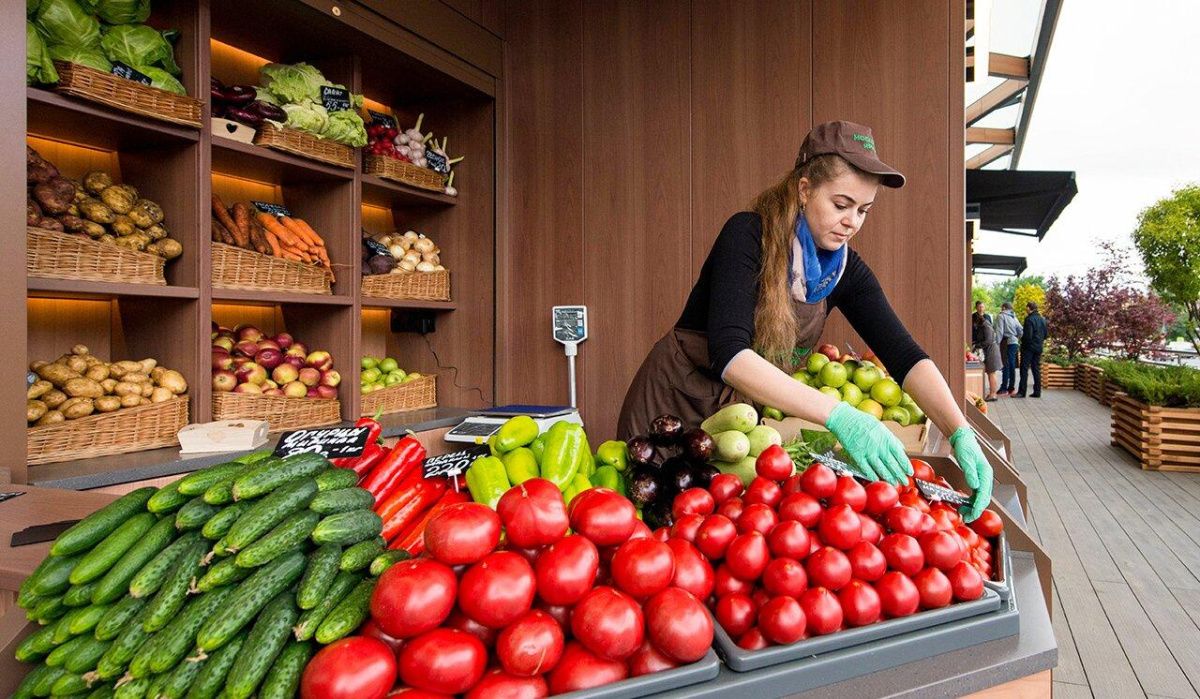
(1008, 329)
(981, 328)
(1033, 337)
(976, 336)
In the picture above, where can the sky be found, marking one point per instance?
(1119, 103)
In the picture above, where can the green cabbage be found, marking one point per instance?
(293, 83)
(162, 80)
(39, 68)
(123, 11)
(307, 116)
(66, 23)
(139, 46)
(31, 7)
(346, 127)
(90, 57)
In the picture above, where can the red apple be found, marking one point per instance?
(240, 360)
(216, 327)
(248, 332)
(221, 360)
(222, 342)
(326, 392)
(296, 362)
(223, 381)
(285, 374)
(295, 389)
(313, 393)
(246, 348)
(272, 392)
(330, 377)
(284, 340)
(269, 358)
(267, 343)
(297, 349)
(251, 372)
(252, 388)
(269, 384)
(319, 360)
(830, 351)
(309, 376)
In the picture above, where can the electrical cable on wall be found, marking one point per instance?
(454, 380)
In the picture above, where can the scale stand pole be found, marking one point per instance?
(572, 349)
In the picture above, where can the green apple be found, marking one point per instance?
(816, 360)
(831, 392)
(916, 415)
(392, 380)
(868, 405)
(897, 414)
(887, 393)
(866, 376)
(370, 375)
(851, 394)
(399, 373)
(369, 362)
(851, 366)
(803, 377)
(388, 365)
(833, 374)
(906, 400)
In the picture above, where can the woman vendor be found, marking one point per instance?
(770, 280)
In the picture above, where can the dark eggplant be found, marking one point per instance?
(640, 450)
(243, 116)
(216, 92)
(643, 486)
(239, 95)
(266, 110)
(703, 474)
(678, 474)
(665, 430)
(658, 514)
(698, 445)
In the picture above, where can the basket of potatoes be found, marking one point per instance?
(80, 406)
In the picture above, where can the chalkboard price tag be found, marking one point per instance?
(332, 442)
(273, 209)
(935, 492)
(121, 70)
(840, 468)
(385, 120)
(375, 247)
(437, 162)
(335, 99)
(454, 463)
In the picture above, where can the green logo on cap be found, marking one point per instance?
(867, 141)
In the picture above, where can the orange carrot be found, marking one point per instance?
(296, 230)
(274, 243)
(272, 224)
(311, 233)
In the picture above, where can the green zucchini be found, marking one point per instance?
(271, 510)
(197, 482)
(87, 655)
(212, 676)
(95, 527)
(194, 514)
(88, 618)
(224, 572)
(59, 655)
(170, 598)
(134, 689)
(322, 568)
(332, 502)
(79, 595)
(153, 574)
(221, 522)
(106, 554)
(267, 638)
(48, 610)
(336, 479)
(386, 560)
(289, 535)
(45, 683)
(249, 598)
(53, 576)
(283, 679)
(343, 584)
(180, 635)
(347, 528)
(167, 499)
(115, 583)
(348, 615)
(36, 645)
(117, 616)
(182, 677)
(269, 475)
(70, 683)
(360, 555)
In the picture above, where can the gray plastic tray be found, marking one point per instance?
(702, 670)
(740, 660)
(1002, 586)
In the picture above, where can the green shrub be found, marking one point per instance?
(1172, 387)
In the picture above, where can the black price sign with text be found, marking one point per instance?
(121, 70)
(273, 209)
(386, 120)
(335, 99)
(935, 492)
(437, 162)
(454, 463)
(331, 442)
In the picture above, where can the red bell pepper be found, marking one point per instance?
(405, 458)
(413, 539)
(413, 501)
(370, 451)
(386, 508)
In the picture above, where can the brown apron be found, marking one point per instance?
(677, 377)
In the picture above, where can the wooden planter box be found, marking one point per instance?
(1162, 439)
(1108, 391)
(1090, 380)
(1055, 376)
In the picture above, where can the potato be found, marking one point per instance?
(148, 365)
(95, 230)
(57, 374)
(136, 377)
(73, 209)
(169, 248)
(123, 225)
(174, 382)
(83, 388)
(124, 367)
(54, 399)
(133, 242)
(96, 210)
(156, 374)
(51, 417)
(37, 364)
(107, 404)
(107, 238)
(108, 385)
(147, 389)
(120, 198)
(131, 400)
(161, 394)
(77, 364)
(96, 372)
(93, 360)
(127, 389)
(55, 195)
(97, 181)
(77, 407)
(146, 213)
(38, 389)
(35, 409)
(156, 232)
(73, 223)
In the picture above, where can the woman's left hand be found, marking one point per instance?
(976, 470)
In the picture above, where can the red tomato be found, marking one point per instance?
(849, 492)
(782, 620)
(760, 597)
(988, 525)
(692, 571)
(608, 623)
(648, 660)
(443, 660)
(789, 539)
(603, 516)
(726, 583)
(462, 622)
(927, 524)
(747, 556)
(560, 614)
(581, 669)
(531, 645)
(533, 514)
(822, 609)
(414, 693)
(413, 597)
(903, 553)
(818, 481)
(725, 486)
(355, 667)
(898, 595)
(872, 532)
(903, 520)
(968, 535)
(944, 519)
(643, 567)
(372, 630)
(922, 470)
(941, 550)
(678, 625)
(914, 500)
(785, 576)
(828, 567)
(773, 463)
(840, 527)
(641, 531)
(693, 501)
(714, 535)
(792, 484)
(660, 534)
(753, 640)
(567, 570)
(763, 491)
(881, 497)
(966, 582)
(860, 603)
(757, 517)
(530, 555)
(464, 532)
(731, 508)
(802, 508)
(933, 587)
(497, 590)
(498, 684)
(736, 613)
(686, 527)
(867, 562)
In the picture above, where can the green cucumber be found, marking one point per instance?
(36, 645)
(167, 499)
(154, 690)
(322, 568)
(32, 679)
(267, 638)
(79, 595)
(221, 492)
(88, 618)
(269, 475)
(360, 555)
(180, 635)
(106, 554)
(139, 666)
(347, 528)
(45, 644)
(348, 615)
(151, 576)
(59, 655)
(283, 679)
(332, 502)
(48, 610)
(289, 535)
(212, 676)
(224, 572)
(336, 479)
(117, 616)
(26, 598)
(102, 692)
(170, 598)
(221, 522)
(45, 683)
(53, 576)
(386, 560)
(197, 482)
(343, 584)
(182, 677)
(249, 598)
(87, 655)
(125, 646)
(70, 683)
(92, 529)
(271, 510)
(62, 631)
(134, 689)
(115, 583)
(194, 514)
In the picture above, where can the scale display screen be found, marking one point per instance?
(570, 324)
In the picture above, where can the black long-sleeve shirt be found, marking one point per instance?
(723, 300)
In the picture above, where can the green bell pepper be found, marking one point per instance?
(607, 476)
(613, 453)
(491, 442)
(538, 446)
(587, 462)
(521, 465)
(577, 485)
(517, 432)
(560, 460)
(487, 480)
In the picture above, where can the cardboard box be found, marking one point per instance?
(914, 437)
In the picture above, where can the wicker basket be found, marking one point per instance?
(404, 171)
(305, 144)
(424, 286)
(54, 255)
(101, 434)
(414, 395)
(127, 95)
(280, 412)
(236, 268)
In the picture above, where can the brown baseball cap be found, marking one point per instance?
(855, 143)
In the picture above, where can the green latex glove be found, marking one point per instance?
(976, 470)
(876, 451)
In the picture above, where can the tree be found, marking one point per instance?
(1023, 295)
(1006, 289)
(1077, 312)
(1168, 238)
(1137, 320)
(981, 293)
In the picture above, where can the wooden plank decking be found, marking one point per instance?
(1126, 550)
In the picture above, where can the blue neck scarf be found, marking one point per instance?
(821, 267)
